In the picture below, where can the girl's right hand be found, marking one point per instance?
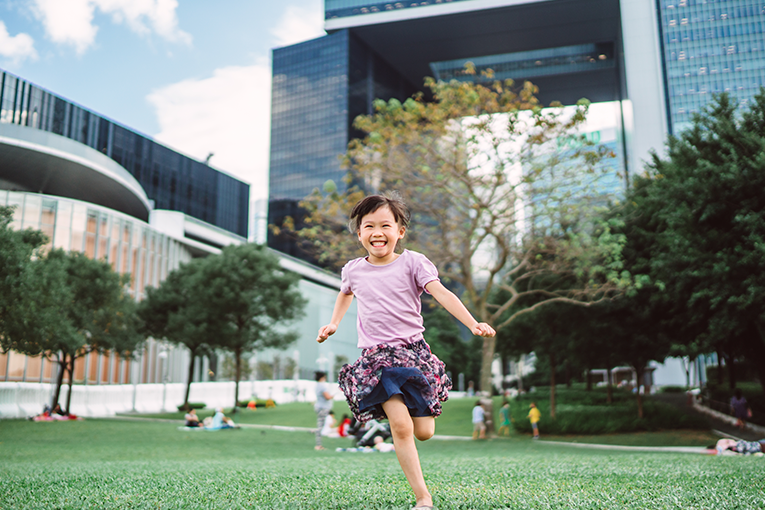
(325, 332)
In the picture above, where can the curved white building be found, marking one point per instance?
(84, 200)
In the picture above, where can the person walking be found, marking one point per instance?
(322, 406)
(740, 408)
(397, 376)
(504, 414)
(479, 421)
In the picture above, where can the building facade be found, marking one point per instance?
(659, 61)
(72, 174)
(171, 180)
(709, 47)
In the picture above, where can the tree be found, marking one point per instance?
(178, 312)
(705, 225)
(85, 308)
(495, 194)
(252, 300)
(443, 335)
(19, 290)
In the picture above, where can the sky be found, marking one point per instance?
(194, 75)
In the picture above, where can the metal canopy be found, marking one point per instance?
(411, 45)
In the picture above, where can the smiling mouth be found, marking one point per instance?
(378, 244)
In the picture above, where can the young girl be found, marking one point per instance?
(396, 376)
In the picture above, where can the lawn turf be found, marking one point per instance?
(124, 464)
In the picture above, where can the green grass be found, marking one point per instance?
(128, 464)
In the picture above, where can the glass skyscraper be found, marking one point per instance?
(710, 46)
(659, 61)
(319, 88)
(171, 180)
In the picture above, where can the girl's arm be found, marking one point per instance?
(342, 303)
(455, 307)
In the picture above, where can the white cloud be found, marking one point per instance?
(18, 47)
(71, 21)
(299, 24)
(227, 114)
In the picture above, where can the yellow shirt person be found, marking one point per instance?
(534, 416)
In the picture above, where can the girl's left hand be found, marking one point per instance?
(483, 329)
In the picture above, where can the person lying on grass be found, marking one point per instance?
(397, 376)
(737, 447)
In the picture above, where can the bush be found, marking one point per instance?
(259, 402)
(192, 405)
(582, 412)
(673, 389)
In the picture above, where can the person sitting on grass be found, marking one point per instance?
(220, 421)
(192, 420)
(534, 416)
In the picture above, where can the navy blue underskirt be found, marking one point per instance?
(409, 382)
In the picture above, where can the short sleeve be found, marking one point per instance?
(345, 282)
(424, 271)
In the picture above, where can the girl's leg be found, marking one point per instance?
(424, 427)
(402, 427)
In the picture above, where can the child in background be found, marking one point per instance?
(396, 377)
(479, 418)
(534, 416)
(504, 414)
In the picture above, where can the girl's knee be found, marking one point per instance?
(424, 428)
(424, 435)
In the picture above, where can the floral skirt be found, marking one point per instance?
(382, 371)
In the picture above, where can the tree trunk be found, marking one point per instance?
(71, 380)
(487, 357)
(609, 388)
(720, 378)
(59, 380)
(639, 375)
(520, 374)
(731, 372)
(238, 371)
(190, 378)
(568, 376)
(687, 368)
(552, 385)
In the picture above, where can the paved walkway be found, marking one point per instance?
(720, 426)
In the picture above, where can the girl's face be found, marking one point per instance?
(379, 233)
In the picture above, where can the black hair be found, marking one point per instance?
(319, 374)
(392, 200)
(737, 393)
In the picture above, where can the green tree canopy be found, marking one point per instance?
(83, 307)
(252, 301)
(704, 224)
(177, 311)
(240, 300)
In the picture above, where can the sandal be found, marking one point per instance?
(424, 507)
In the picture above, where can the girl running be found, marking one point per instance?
(396, 377)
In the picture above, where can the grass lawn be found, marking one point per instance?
(127, 464)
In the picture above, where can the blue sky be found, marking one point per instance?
(193, 74)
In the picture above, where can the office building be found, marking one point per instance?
(171, 180)
(96, 187)
(659, 61)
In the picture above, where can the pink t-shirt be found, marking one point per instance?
(388, 298)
